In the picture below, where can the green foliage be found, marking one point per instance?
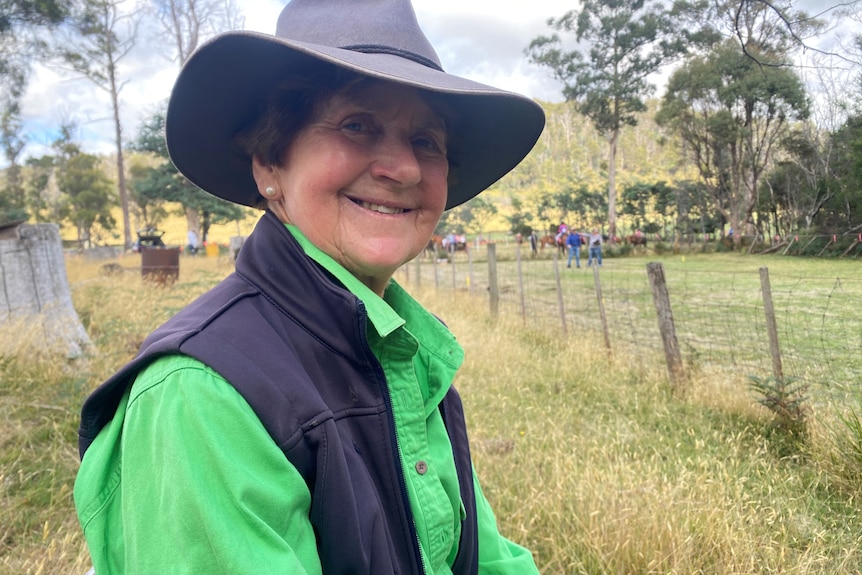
(89, 193)
(727, 108)
(152, 186)
(628, 41)
(12, 205)
(846, 438)
(785, 397)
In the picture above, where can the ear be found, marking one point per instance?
(265, 177)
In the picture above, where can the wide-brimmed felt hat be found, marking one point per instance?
(220, 89)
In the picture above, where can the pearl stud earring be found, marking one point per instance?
(269, 191)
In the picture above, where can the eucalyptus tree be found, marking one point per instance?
(23, 27)
(185, 24)
(85, 192)
(151, 186)
(731, 112)
(104, 32)
(621, 43)
(12, 205)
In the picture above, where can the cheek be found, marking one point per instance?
(438, 188)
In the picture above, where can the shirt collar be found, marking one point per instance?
(381, 315)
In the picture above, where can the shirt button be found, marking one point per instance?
(421, 467)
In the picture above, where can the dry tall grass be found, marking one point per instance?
(589, 461)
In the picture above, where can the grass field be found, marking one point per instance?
(589, 460)
(717, 307)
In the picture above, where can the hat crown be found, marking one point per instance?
(370, 26)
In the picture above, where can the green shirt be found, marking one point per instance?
(185, 479)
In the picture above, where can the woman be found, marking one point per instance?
(595, 250)
(299, 417)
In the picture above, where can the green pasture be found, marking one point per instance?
(716, 300)
(589, 458)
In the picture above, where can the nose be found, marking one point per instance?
(396, 161)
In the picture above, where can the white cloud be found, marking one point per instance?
(483, 40)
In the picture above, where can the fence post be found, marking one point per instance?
(436, 274)
(560, 303)
(454, 272)
(661, 299)
(470, 270)
(771, 325)
(521, 283)
(493, 287)
(419, 270)
(602, 313)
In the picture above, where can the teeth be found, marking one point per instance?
(381, 209)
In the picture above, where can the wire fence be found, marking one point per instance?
(718, 314)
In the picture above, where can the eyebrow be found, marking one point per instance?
(433, 119)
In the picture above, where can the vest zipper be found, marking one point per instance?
(390, 416)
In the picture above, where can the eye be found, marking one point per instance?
(429, 142)
(353, 126)
(358, 124)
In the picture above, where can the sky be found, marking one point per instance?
(482, 40)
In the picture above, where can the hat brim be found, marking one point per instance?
(220, 88)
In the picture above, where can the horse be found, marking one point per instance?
(637, 240)
(552, 240)
(435, 245)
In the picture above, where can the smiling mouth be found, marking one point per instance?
(380, 209)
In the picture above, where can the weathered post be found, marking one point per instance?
(493, 286)
(454, 272)
(602, 314)
(661, 299)
(771, 324)
(419, 270)
(521, 283)
(560, 304)
(470, 270)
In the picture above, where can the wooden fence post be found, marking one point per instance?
(419, 270)
(454, 272)
(771, 325)
(560, 304)
(470, 270)
(602, 313)
(436, 270)
(661, 299)
(521, 283)
(493, 286)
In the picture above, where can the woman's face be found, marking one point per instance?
(365, 180)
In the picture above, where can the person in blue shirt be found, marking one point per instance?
(573, 242)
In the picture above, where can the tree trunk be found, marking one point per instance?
(35, 301)
(612, 185)
(193, 222)
(121, 173)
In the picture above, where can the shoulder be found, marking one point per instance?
(174, 371)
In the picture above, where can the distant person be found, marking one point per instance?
(192, 239)
(534, 243)
(300, 416)
(595, 248)
(562, 230)
(573, 242)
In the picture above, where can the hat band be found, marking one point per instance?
(378, 49)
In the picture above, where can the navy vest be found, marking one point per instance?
(292, 341)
